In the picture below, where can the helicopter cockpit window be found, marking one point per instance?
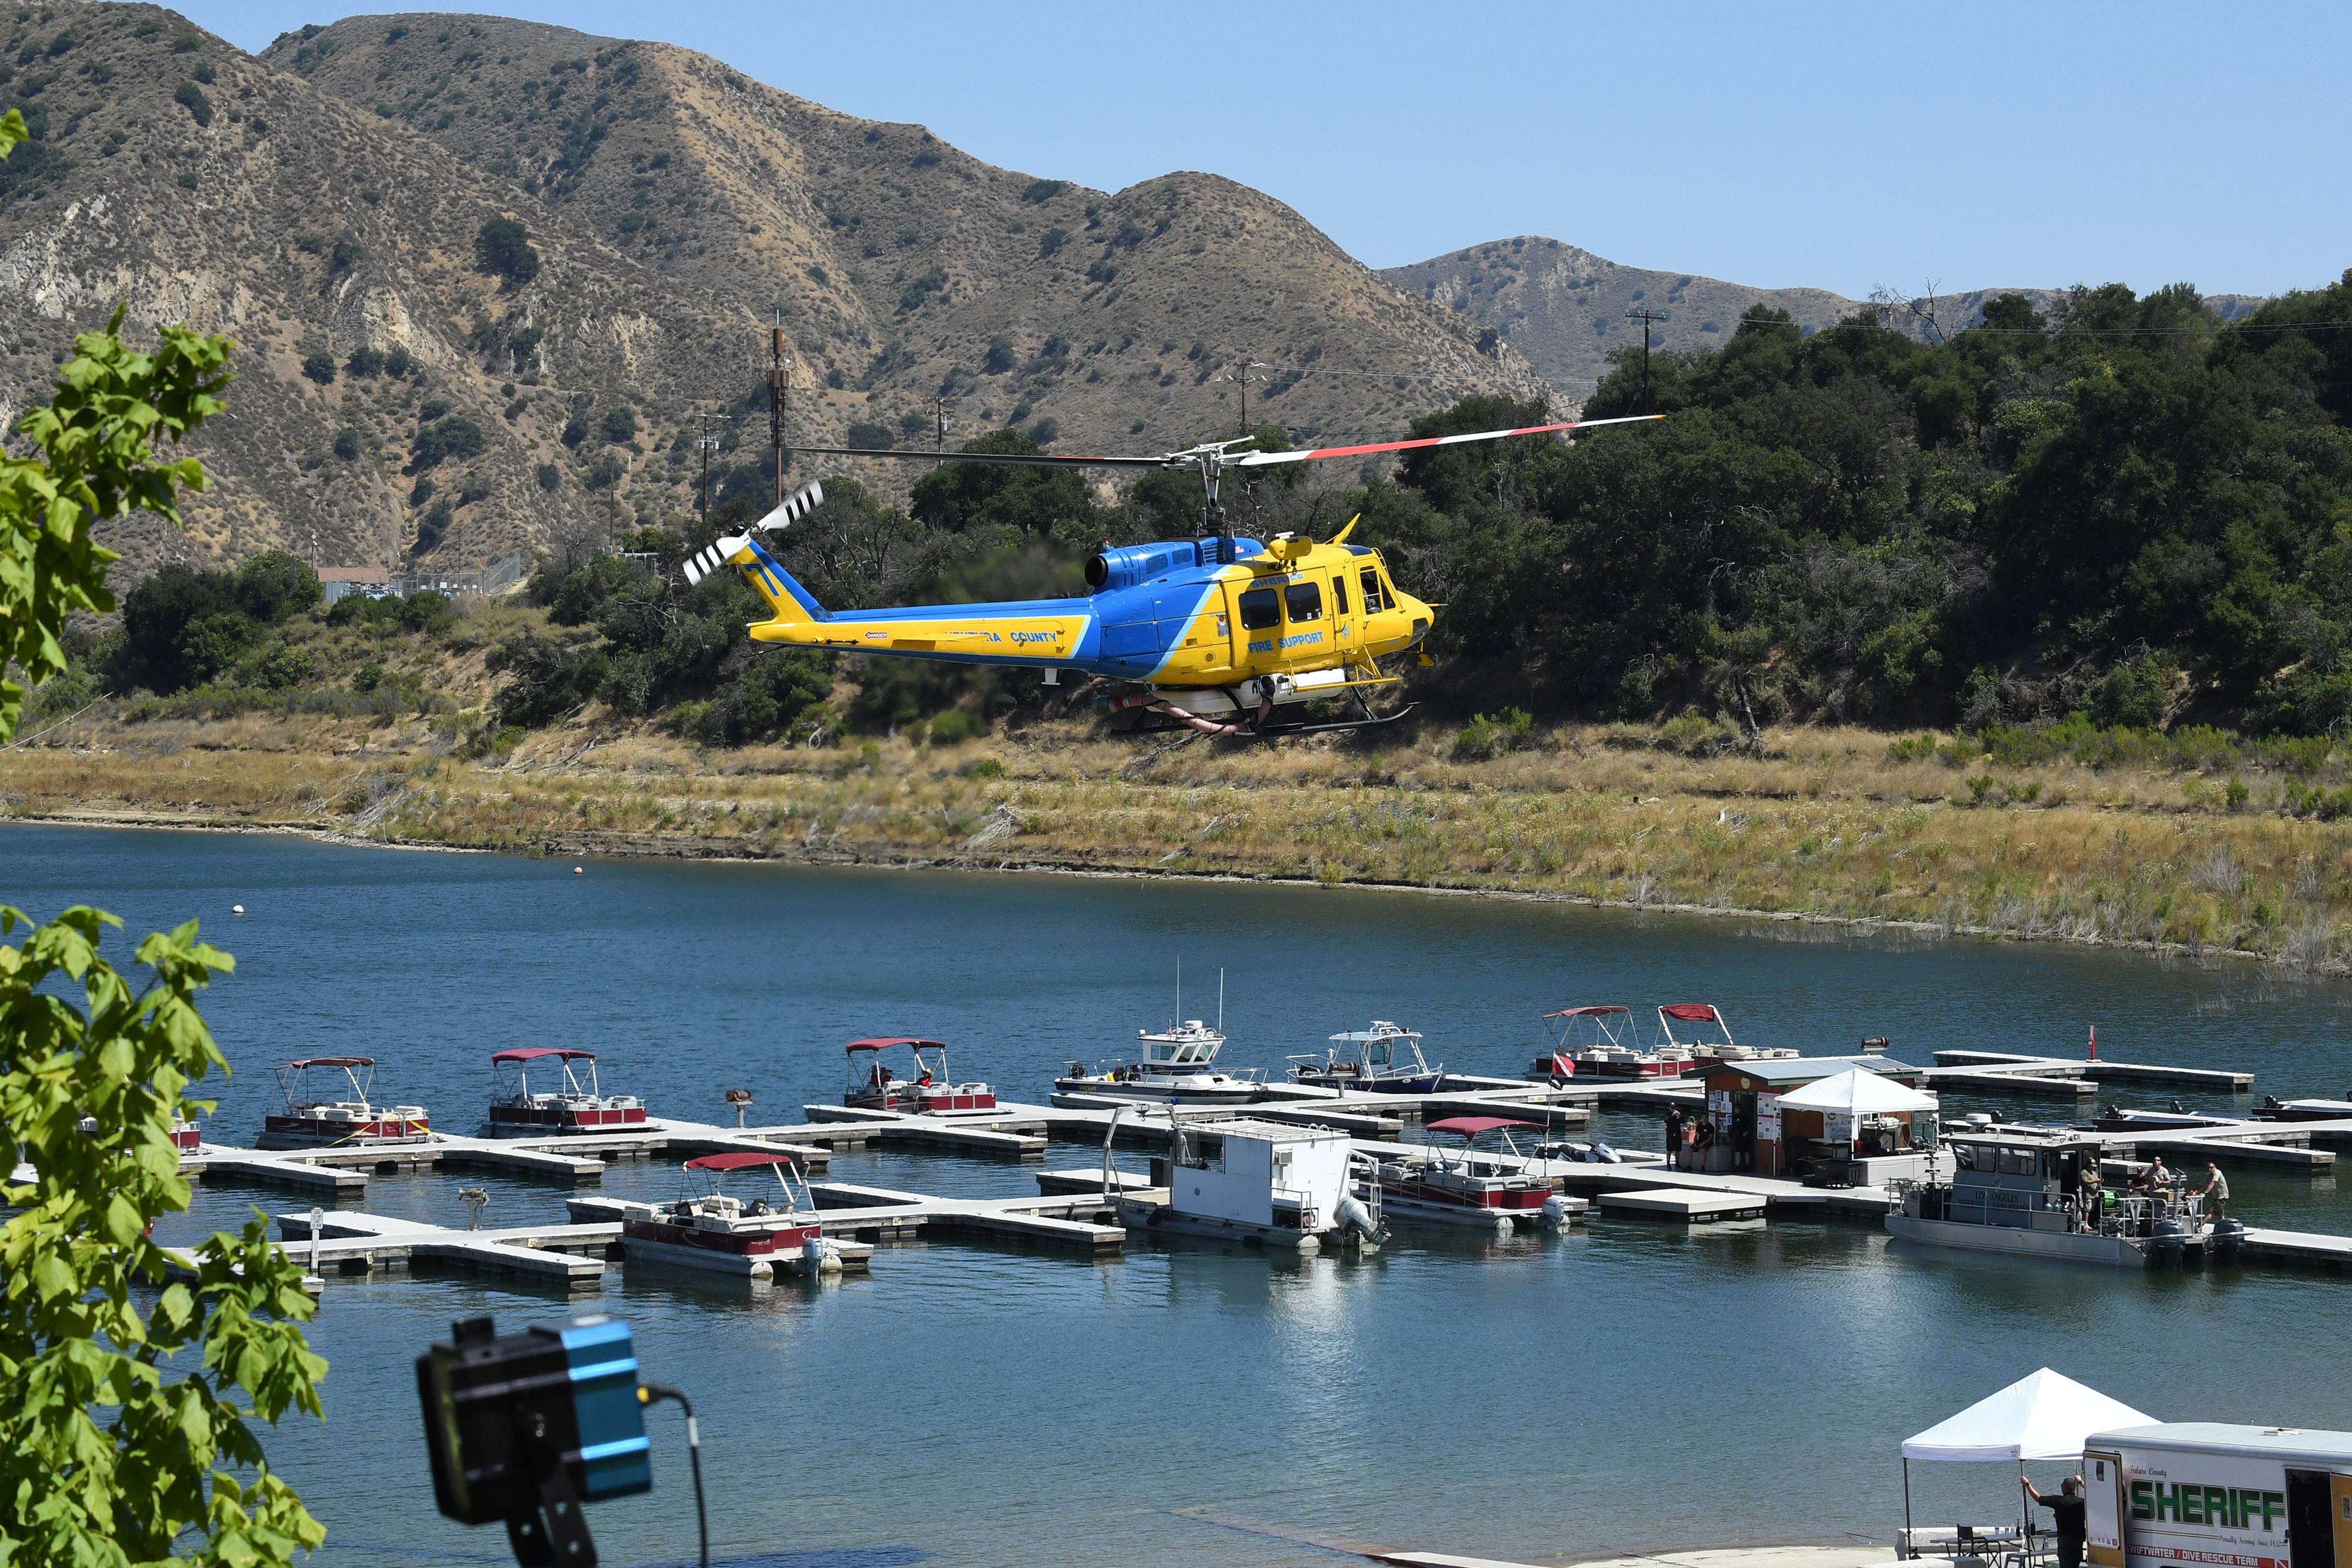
(1373, 601)
(1304, 600)
(1260, 611)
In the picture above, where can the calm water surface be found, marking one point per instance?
(1627, 1388)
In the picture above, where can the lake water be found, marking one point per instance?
(1624, 1388)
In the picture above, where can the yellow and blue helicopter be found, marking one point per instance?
(1216, 633)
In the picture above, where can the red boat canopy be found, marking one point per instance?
(1585, 1012)
(532, 1053)
(335, 1061)
(857, 1045)
(1690, 1012)
(736, 1160)
(1471, 1126)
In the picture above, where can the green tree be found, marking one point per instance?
(502, 247)
(112, 1450)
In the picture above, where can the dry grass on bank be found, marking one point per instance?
(1827, 822)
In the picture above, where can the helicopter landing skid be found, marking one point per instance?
(1161, 726)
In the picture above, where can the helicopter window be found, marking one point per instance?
(1338, 596)
(1304, 600)
(1258, 610)
(1373, 603)
(1155, 566)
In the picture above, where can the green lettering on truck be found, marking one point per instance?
(2142, 1507)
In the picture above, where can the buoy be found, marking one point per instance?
(579, 871)
(237, 909)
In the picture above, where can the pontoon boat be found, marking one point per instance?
(1597, 1041)
(927, 1089)
(305, 1120)
(573, 1108)
(1454, 1185)
(716, 1230)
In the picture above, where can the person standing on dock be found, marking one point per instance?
(2066, 1518)
(2216, 1190)
(1673, 1136)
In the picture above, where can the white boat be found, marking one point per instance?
(1176, 1067)
(1374, 1060)
(306, 1120)
(2024, 1192)
(1265, 1184)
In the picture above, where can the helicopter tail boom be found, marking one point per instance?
(790, 604)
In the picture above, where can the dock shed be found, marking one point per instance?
(1748, 1129)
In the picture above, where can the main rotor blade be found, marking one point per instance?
(1264, 459)
(1017, 459)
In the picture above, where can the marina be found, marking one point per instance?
(1301, 1343)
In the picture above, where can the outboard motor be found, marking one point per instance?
(1355, 1220)
(2229, 1239)
(1559, 1212)
(820, 1256)
(2168, 1238)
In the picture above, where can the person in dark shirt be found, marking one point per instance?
(1674, 1135)
(2066, 1518)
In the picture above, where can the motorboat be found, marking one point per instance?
(925, 1090)
(2274, 1109)
(1176, 1067)
(1705, 1033)
(1598, 1043)
(1385, 1060)
(1264, 1184)
(576, 1105)
(307, 1119)
(716, 1230)
(1457, 1185)
(2043, 1194)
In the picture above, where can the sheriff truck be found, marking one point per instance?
(2216, 1496)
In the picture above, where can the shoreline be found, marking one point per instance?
(645, 847)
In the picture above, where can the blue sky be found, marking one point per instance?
(1835, 146)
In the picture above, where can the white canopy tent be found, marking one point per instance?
(1858, 1093)
(2045, 1415)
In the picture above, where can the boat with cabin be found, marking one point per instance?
(2044, 1194)
(1599, 1042)
(1383, 1060)
(719, 1231)
(1264, 1184)
(925, 1090)
(575, 1106)
(306, 1118)
(2274, 1109)
(1460, 1184)
(1176, 1067)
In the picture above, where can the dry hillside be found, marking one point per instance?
(180, 177)
(1565, 309)
(907, 270)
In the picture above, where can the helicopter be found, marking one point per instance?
(1219, 633)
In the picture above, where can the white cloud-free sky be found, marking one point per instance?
(1839, 146)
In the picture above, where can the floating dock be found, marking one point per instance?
(2219, 1079)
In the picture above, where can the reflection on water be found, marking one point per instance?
(1624, 1387)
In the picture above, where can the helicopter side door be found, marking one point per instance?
(1306, 635)
(1257, 623)
(1345, 629)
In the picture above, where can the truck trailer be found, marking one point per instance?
(2216, 1496)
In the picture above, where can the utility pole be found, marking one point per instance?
(706, 444)
(939, 429)
(779, 373)
(1646, 316)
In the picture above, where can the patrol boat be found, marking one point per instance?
(2041, 1195)
(1176, 1069)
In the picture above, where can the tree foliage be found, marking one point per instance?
(114, 1449)
(1855, 524)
